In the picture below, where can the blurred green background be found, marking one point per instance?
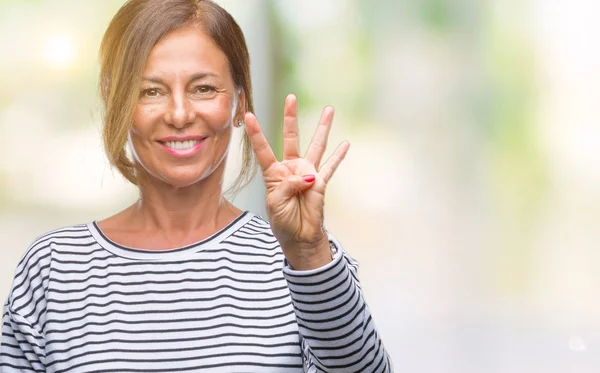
(471, 192)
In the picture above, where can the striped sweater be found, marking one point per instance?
(230, 303)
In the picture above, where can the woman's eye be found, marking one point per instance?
(205, 89)
(150, 92)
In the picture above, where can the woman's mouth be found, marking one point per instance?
(182, 148)
(179, 145)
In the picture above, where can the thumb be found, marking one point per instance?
(295, 184)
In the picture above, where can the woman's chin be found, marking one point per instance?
(183, 179)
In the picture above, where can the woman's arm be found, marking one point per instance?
(337, 330)
(22, 346)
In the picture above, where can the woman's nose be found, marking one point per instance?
(180, 112)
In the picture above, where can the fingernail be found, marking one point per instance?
(309, 178)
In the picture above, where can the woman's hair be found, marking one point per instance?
(130, 37)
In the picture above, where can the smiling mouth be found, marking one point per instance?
(180, 145)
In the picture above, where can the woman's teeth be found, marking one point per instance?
(181, 144)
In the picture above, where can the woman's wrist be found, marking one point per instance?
(306, 256)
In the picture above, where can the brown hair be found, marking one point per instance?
(130, 37)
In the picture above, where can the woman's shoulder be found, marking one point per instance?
(256, 225)
(41, 246)
(32, 272)
(253, 232)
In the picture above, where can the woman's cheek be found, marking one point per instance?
(146, 114)
(219, 112)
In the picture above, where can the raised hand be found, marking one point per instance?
(296, 186)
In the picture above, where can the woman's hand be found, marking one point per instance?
(296, 187)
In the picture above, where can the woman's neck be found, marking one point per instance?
(200, 207)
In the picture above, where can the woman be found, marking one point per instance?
(183, 280)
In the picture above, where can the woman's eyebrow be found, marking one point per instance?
(202, 75)
(153, 79)
(192, 78)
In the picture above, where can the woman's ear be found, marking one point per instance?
(242, 105)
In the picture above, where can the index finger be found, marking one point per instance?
(261, 146)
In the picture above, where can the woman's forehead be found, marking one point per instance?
(187, 51)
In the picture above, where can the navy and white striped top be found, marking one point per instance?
(230, 303)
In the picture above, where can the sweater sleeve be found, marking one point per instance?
(336, 328)
(22, 346)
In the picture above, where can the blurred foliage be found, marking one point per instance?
(516, 169)
(285, 79)
(437, 14)
(12, 2)
(360, 58)
(342, 59)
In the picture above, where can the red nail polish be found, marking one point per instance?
(309, 178)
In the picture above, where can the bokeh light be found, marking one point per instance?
(60, 51)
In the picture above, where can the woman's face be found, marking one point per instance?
(186, 108)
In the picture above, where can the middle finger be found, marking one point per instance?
(290, 128)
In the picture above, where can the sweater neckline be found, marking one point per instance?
(167, 254)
